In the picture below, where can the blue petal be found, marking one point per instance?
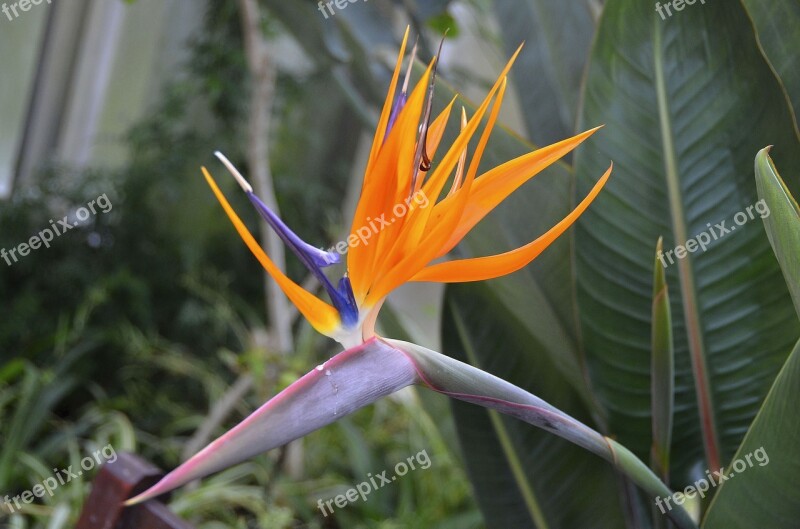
(350, 314)
(398, 107)
(315, 260)
(304, 251)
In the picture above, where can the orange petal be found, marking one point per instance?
(406, 130)
(437, 228)
(461, 161)
(417, 219)
(436, 130)
(406, 261)
(494, 186)
(322, 316)
(481, 268)
(386, 112)
(435, 134)
(389, 234)
(433, 187)
(358, 261)
(446, 220)
(377, 194)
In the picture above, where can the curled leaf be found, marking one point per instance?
(781, 219)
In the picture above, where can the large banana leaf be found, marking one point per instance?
(765, 492)
(547, 78)
(777, 24)
(686, 101)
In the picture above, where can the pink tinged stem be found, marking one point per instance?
(463, 382)
(347, 382)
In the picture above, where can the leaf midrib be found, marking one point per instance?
(697, 350)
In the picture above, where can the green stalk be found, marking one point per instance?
(464, 382)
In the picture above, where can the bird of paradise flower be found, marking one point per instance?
(399, 167)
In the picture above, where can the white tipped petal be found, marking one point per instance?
(410, 66)
(234, 171)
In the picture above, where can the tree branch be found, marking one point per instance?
(262, 74)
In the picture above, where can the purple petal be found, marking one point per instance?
(315, 260)
(304, 251)
(399, 104)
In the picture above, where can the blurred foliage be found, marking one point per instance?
(131, 326)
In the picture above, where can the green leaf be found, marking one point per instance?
(663, 370)
(777, 24)
(444, 23)
(782, 220)
(548, 72)
(38, 394)
(763, 490)
(684, 101)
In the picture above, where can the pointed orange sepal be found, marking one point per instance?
(322, 316)
(481, 268)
